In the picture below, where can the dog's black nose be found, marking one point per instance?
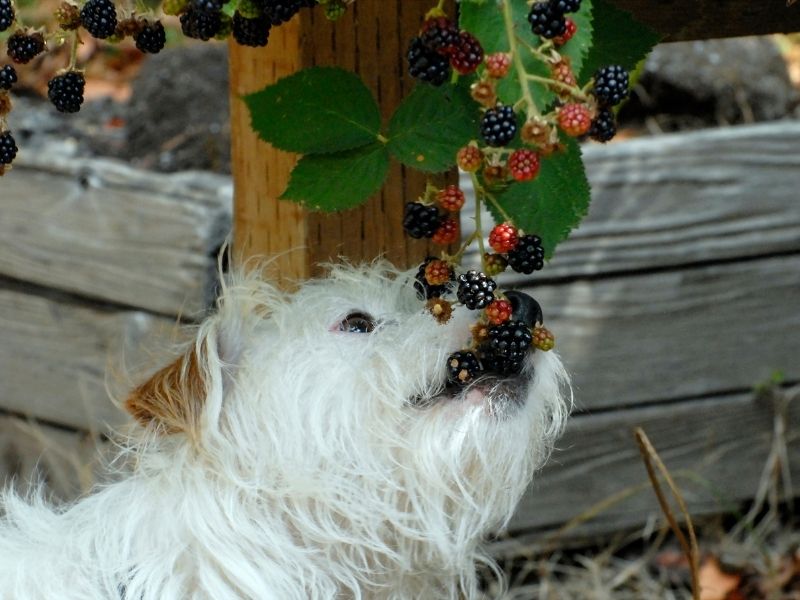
(525, 308)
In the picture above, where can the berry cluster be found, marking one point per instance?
(439, 48)
(435, 215)
(102, 19)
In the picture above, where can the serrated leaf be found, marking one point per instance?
(620, 40)
(340, 180)
(552, 204)
(316, 110)
(487, 23)
(430, 125)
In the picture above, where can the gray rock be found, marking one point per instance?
(178, 117)
(713, 82)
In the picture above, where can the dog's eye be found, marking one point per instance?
(357, 322)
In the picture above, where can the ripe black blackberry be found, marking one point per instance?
(8, 148)
(200, 25)
(462, 368)
(66, 91)
(475, 289)
(440, 34)
(547, 20)
(427, 64)
(499, 125)
(501, 365)
(528, 255)
(604, 126)
(426, 291)
(251, 32)
(468, 54)
(6, 14)
(610, 85)
(211, 6)
(22, 47)
(510, 339)
(566, 6)
(8, 77)
(99, 18)
(280, 11)
(420, 220)
(151, 38)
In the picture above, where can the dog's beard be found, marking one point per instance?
(501, 397)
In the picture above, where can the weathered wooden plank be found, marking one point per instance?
(716, 449)
(56, 357)
(98, 228)
(704, 19)
(681, 199)
(32, 453)
(677, 334)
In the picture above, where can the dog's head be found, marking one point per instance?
(332, 405)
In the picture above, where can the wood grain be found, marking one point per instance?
(370, 39)
(682, 199)
(100, 229)
(57, 357)
(676, 334)
(716, 449)
(32, 453)
(679, 20)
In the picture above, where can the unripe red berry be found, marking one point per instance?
(503, 238)
(497, 64)
(451, 198)
(469, 158)
(571, 30)
(448, 232)
(438, 272)
(523, 164)
(574, 119)
(498, 311)
(543, 339)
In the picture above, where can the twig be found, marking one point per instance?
(690, 548)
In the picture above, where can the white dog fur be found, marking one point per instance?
(284, 459)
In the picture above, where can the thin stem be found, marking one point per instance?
(73, 51)
(457, 256)
(497, 206)
(478, 226)
(508, 19)
(574, 91)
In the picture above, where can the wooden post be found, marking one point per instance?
(371, 40)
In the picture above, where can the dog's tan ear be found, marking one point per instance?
(173, 398)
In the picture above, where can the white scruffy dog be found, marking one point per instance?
(305, 446)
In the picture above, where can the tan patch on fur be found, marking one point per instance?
(172, 399)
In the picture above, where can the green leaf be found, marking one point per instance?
(552, 204)
(621, 40)
(338, 181)
(430, 125)
(316, 110)
(487, 23)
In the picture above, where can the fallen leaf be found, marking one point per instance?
(715, 584)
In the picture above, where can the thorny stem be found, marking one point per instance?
(508, 18)
(466, 244)
(497, 206)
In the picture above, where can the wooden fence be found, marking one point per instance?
(678, 294)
